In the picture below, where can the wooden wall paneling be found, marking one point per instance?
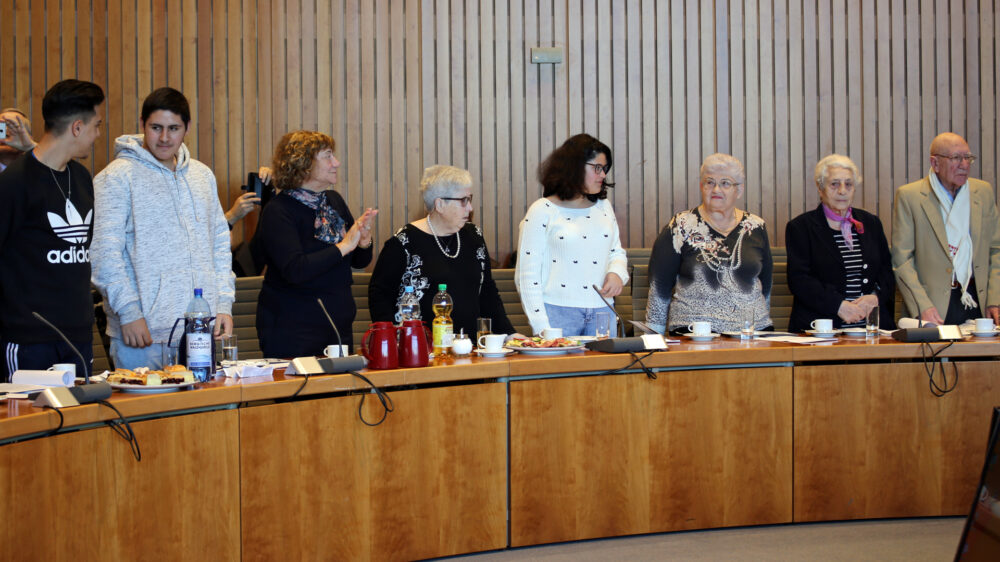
(988, 163)
(338, 125)
(867, 152)
(427, 94)
(218, 158)
(798, 169)
(575, 67)
(250, 129)
(294, 62)
(519, 62)
(965, 41)
(175, 41)
(487, 88)
(827, 79)
(843, 118)
(414, 125)
(680, 186)
(325, 37)
(309, 70)
(23, 46)
(8, 55)
(236, 82)
(738, 83)
(538, 105)
(879, 184)
(588, 80)
(52, 42)
(928, 114)
(114, 110)
(665, 188)
(351, 162)
(83, 65)
(898, 123)
(751, 156)
(69, 35)
(473, 112)
(505, 221)
(455, 39)
(810, 77)
(278, 102)
(99, 66)
(767, 184)
(382, 156)
(705, 30)
(943, 66)
(130, 93)
(396, 216)
(145, 53)
(365, 185)
(204, 81)
(650, 185)
(609, 29)
(441, 118)
(618, 124)
(183, 61)
(551, 25)
(632, 200)
(435, 436)
(784, 185)
(723, 125)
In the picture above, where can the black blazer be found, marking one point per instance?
(816, 273)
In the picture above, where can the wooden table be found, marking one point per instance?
(728, 433)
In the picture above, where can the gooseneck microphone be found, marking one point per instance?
(331, 365)
(619, 344)
(613, 311)
(89, 392)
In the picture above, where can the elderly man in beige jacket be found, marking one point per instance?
(946, 239)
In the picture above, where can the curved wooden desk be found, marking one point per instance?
(727, 434)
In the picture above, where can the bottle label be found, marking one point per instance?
(443, 335)
(199, 350)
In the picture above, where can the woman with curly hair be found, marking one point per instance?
(309, 242)
(569, 243)
(712, 262)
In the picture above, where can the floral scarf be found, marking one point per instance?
(329, 224)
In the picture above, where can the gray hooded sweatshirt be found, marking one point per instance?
(158, 235)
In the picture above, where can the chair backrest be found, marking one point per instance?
(102, 361)
(245, 316)
(359, 290)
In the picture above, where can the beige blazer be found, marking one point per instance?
(920, 247)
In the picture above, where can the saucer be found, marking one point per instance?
(502, 353)
(853, 332)
(816, 334)
(708, 337)
(992, 334)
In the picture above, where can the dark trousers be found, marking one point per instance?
(41, 356)
(957, 313)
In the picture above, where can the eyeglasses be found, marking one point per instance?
(724, 184)
(599, 167)
(958, 157)
(465, 200)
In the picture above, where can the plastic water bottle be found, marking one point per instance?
(443, 328)
(198, 332)
(409, 305)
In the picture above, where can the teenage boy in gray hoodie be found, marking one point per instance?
(159, 233)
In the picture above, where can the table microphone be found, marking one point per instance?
(616, 345)
(89, 392)
(331, 365)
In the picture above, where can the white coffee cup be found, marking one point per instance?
(984, 325)
(700, 328)
(822, 325)
(335, 351)
(492, 343)
(71, 367)
(552, 333)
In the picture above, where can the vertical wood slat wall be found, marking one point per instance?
(408, 83)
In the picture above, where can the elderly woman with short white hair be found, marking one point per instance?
(443, 247)
(839, 265)
(712, 262)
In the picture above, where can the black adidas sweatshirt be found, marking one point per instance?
(45, 251)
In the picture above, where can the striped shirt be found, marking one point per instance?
(853, 266)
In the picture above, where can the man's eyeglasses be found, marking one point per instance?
(959, 157)
(464, 200)
(599, 167)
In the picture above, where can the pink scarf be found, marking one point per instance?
(846, 222)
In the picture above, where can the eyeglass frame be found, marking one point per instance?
(467, 200)
(711, 182)
(958, 157)
(599, 167)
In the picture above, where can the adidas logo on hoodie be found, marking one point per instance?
(72, 229)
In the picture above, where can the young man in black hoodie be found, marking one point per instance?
(46, 224)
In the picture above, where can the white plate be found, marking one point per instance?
(548, 350)
(816, 334)
(757, 334)
(159, 389)
(502, 353)
(986, 334)
(709, 337)
(853, 332)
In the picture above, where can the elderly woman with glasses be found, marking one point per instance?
(839, 266)
(713, 262)
(443, 247)
(309, 242)
(569, 243)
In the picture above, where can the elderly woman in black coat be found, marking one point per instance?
(839, 266)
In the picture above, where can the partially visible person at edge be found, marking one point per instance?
(946, 239)
(309, 242)
(442, 247)
(18, 136)
(839, 265)
(568, 242)
(159, 234)
(712, 262)
(46, 228)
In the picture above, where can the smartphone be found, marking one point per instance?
(3, 129)
(257, 187)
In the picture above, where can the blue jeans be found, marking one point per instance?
(576, 321)
(126, 357)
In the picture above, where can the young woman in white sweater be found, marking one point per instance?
(569, 242)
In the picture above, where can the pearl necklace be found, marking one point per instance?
(440, 247)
